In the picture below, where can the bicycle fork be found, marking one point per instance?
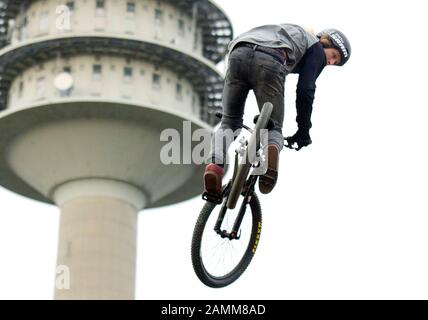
(233, 234)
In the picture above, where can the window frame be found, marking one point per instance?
(97, 72)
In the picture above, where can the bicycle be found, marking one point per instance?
(245, 230)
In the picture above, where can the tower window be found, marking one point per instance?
(100, 4)
(44, 21)
(99, 7)
(194, 104)
(20, 89)
(179, 91)
(158, 17)
(156, 81)
(127, 74)
(70, 5)
(130, 8)
(96, 72)
(181, 27)
(40, 86)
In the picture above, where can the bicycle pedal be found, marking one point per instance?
(216, 198)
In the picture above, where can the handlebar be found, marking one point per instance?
(219, 115)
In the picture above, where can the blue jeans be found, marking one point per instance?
(249, 70)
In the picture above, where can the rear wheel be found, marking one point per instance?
(220, 261)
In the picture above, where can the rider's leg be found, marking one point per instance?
(235, 93)
(269, 87)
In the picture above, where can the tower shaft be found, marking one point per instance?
(97, 239)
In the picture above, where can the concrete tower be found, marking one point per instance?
(86, 87)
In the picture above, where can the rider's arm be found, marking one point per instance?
(309, 68)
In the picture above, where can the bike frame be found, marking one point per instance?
(248, 192)
(239, 182)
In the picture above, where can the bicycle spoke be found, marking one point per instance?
(231, 254)
(222, 255)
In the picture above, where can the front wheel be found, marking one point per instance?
(219, 261)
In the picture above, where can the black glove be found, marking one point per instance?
(301, 138)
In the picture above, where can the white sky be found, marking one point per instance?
(348, 218)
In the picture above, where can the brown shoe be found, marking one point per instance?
(212, 178)
(268, 180)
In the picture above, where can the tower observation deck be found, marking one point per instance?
(86, 88)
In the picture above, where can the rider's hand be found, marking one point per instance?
(301, 138)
